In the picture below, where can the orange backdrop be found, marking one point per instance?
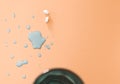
(85, 33)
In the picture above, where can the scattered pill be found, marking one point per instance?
(25, 45)
(24, 76)
(48, 47)
(46, 12)
(47, 19)
(25, 62)
(39, 54)
(36, 39)
(21, 63)
(12, 56)
(28, 27)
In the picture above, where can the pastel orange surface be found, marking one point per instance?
(86, 36)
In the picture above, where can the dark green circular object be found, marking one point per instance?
(58, 76)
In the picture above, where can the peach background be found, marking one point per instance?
(86, 36)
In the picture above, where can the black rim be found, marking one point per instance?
(58, 76)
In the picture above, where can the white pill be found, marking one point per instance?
(47, 19)
(46, 12)
(45, 71)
